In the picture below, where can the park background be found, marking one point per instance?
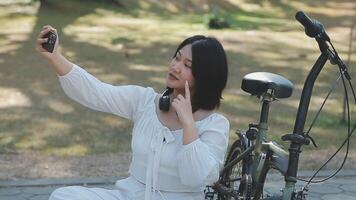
(45, 134)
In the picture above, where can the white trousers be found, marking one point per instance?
(84, 193)
(126, 189)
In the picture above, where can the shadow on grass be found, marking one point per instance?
(34, 78)
(53, 123)
(56, 125)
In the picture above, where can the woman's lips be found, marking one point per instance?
(171, 76)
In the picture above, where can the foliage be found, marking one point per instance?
(216, 19)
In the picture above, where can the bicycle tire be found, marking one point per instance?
(231, 178)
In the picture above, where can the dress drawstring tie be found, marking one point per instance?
(164, 135)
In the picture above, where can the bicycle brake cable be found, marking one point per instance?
(344, 71)
(319, 111)
(350, 132)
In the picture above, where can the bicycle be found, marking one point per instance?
(252, 155)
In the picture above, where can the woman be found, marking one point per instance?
(177, 146)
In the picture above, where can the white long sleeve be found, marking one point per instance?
(124, 101)
(199, 161)
(160, 164)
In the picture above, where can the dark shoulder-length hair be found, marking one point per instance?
(209, 69)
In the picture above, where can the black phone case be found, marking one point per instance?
(49, 45)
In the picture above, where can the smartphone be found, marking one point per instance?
(49, 45)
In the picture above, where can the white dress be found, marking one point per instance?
(161, 167)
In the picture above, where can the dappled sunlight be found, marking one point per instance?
(12, 40)
(265, 45)
(292, 103)
(40, 89)
(346, 8)
(111, 120)
(250, 7)
(147, 68)
(84, 34)
(95, 70)
(322, 131)
(240, 120)
(334, 105)
(12, 37)
(23, 26)
(112, 78)
(13, 97)
(133, 45)
(233, 91)
(159, 80)
(102, 74)
(8, 7)
(62, 169)
(9, 48)
(69, 54)
(233, 95)
(176, 7)
(73, 149)
(238, 114)
(266, 20)
(100, 27)
(282, 121)
(59, 107)
(340, 36)
(42, 128)
(29, 142)
(6, 137)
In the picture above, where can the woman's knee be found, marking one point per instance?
(66, 193)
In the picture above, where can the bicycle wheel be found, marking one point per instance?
(232, 177)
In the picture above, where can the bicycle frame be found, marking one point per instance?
(267, 154)
(295, 146)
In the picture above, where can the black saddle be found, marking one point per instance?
(258, 83)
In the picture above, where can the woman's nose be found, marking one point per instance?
(175, 66)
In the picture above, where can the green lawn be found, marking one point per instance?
(133, 45)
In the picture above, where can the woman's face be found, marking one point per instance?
(180, 69)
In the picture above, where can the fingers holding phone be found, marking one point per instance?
(47, 42)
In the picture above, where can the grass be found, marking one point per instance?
(132, 45)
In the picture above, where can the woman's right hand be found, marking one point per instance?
(61, 65)
(40, 40)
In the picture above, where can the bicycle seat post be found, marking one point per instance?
(267, 98)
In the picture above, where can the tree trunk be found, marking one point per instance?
(116, 2)
(44, 2)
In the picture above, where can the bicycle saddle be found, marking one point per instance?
(258, 83)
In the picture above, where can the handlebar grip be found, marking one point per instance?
(304, 20)
(312, 27)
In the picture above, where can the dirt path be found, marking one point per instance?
(34, 165)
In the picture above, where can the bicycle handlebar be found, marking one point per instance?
(315, 29)
(312, 27)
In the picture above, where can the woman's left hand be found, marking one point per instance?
(183, 107)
